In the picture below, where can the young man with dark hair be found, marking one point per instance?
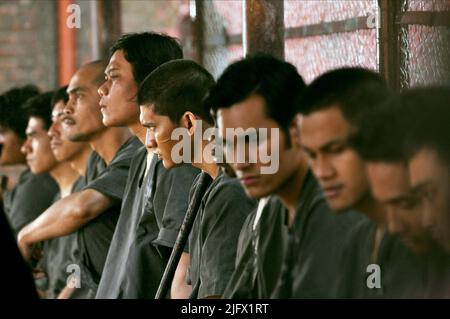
(379, 141)
(156, 199)
(374, 264)
(171, 100)
(40, 158)
(259, 93)
(63, 251)
(94, 210)
(21, 204)
(427, 150)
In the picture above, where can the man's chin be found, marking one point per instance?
(338, 206)
(168, 164)
(255, 193)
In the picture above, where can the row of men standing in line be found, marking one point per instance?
(120, 221)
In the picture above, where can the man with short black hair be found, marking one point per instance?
(427, 151)
(21, 204)
(155, 199)
(380, 141)
(40, 158)
(93, 211)
(374, 264)
(61, 252)
(171, 100)
(287, 247)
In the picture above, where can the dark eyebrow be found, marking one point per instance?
(401, 198)
(324, 147)
(331, 144)
(148, 124)
(421, 186)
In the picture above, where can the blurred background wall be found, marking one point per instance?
(406, 40)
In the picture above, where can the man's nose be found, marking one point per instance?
(322, 168)
(150, 141)
(394, 224)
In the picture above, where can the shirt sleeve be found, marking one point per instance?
(171, 201)
(29, 203)
(224, 215)
(111, 182)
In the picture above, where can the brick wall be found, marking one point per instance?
(27, 43)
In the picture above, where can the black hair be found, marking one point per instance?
(428, 115)
(40, 106)
(176, 87)
(276, 81)
(12, 113)
(60, 95)
(381, 134)
(353, 90)
(146, 51)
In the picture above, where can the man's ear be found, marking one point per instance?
(188, 121)
(294, 131)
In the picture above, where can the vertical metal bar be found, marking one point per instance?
(264, 27)
(391, 58)
(199, 30)
(109, 24)
(95, 38)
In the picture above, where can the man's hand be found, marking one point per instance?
(31, 252)
(24, 247)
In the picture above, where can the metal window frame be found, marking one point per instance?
(394, 17)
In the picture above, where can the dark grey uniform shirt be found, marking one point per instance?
(315, 246)
(58, 253)
(438, 275)
(33, 194)
(403, 274)
(152, 212)
(94, 238)
(214, 236)
(260, 253)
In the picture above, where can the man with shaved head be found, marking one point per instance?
(93, 211)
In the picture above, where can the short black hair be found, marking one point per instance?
(382, 132)
(60, 95)
(146, 51)
(354, 90)
(40, 106)
(428, 113)
(176, 87)
(12, 114)
(276, 81)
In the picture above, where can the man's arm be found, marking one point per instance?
(66, 293)
(64, 217)
(180, 289)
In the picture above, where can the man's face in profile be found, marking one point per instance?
(390, 185)
(430, 179)
(119, 92)
(10, 144)
(37, 148)
(338, 168)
